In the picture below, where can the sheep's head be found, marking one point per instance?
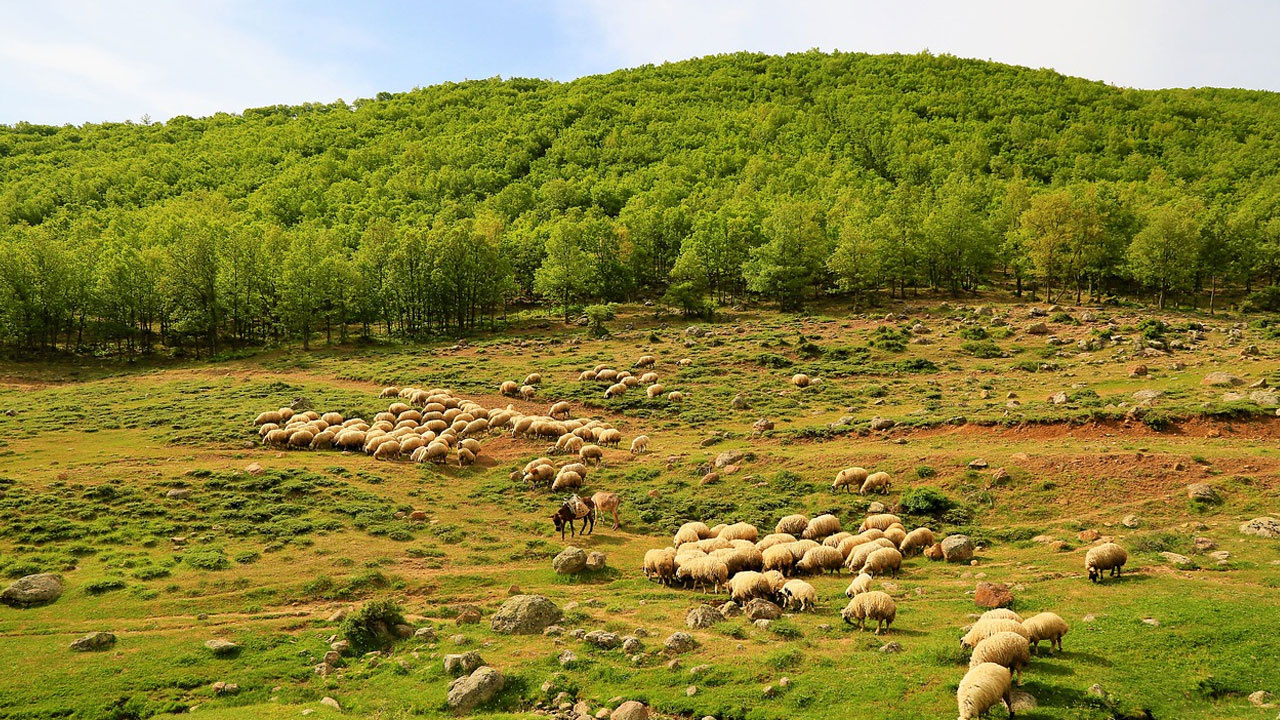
(1095, 574)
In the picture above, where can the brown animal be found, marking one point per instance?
(607, 502)
(573, 509)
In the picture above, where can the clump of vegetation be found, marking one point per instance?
(372, 627)
(206, 558)
(597, 316)
(925, 500)
(889, 339)
(984, 349)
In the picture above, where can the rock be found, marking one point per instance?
(630, 710)
(553, 631)
(1151, 621)
(730, 609)
(1202, 492)
(1058, 398)
(992, 595)
(1221, 556)
(762, 623)
(1221, 379)
(567, 659)
(891, 648)
(1144, 397)
(468, 615)
(330, 702)
(337, 616)
(1131, 521)
(478, 688)
(178, 493)
(882, 423)
(402, 630)
(957, 548)
(32, 590)
(977, 464)
(877, 507)
(570, 560)
(253, 469)
(1096, 691)
(728, 457)
(738, 402)
(1022, 701)
(691, 691)
(1260, 698)
(761, 609)
(1177, 560)
(221, 647)
(323, 669)
(425, 634)
(632, 645)
(418, 515)
(701, 617)
(1000, 475)
(1138, 371)
(602, 639)
(1204, 544)
(768, 691)
(1265, 527)
(462, 663)
(1088, 535)
(94, 641)
(1038, 328)
(595, 560)
(333, 657)
(680, 642)
(525, 615)
(762, 425)
(459, 639)
(342, 646)
(225, 688)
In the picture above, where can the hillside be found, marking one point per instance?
(718, 179)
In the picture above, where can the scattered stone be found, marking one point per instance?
(1262, 527)
(701, 617)
(768, 691)
(691, 691)
(1038, 328)
(1151, 621)
(1202, 492)
(567, 658)
(1203, 544)
(1138, 371)
(1088, 535)
(738, 402)
(992, 595)
(570, 560)
(468, 615)
(882, 423)
(94, 641)
(337, 616)
(630, 710)
(225, 688)
(631, 645)
(465, 693)
(1181, 561)
(728, 457)
(178, 493)
(221, 647)
(1022, 701)
(602, 639)
(459, 639)
(761, 609)
(1131, 521)
(1000, 475)
(595, 560)
(418, 515)
(1058, 398)
(462, 663)
(1096, 691)
(342, 646)
(1221, 379)
(525, 615)
(330, 702)
(957, 548)
(762, 623)
(730, 609)
(425, 634)
(977, 464)
(254, 469)
(891, 648)
(762, 425)
(680, 642)
(1260, 698)
(32, 590)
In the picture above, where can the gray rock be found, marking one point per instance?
(602, 639)
(1202, 492)
(730, 609)
(957, 548)
(595, 560)
(1022, 701)
(632, 645)
(680, 642)
(761, 609)
(977, 464)
(178, 493)
(32, 590)
(891, 648)
(330, 702)
(567, 659)
(882, 423)
(630, 710)
(1131, 521)
(1177, 560)
(1058, 398)
(1221, 379)
(1262, 527)
(94, 641)
(462, 663)
(525, 615)
(1260, 698)
(478, 688)
(570, 560)
(425, 634)
(728, 457)
(221, 647)
(701, 617)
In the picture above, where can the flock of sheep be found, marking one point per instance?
(1001, 643)
(620, 381)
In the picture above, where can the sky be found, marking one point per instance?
(77, 61)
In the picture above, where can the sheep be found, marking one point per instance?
(645, 361)
(883, 560)
(772, 539)
(348, 439)
(649, 378)
(847, 545)
(675, 396)
(691, 532)
(858, 556)
(332, 418)
(397, 408)
(834, 541)
(270, 416)
(660, 563)
(740, 531)
(1046, 626)
(895, 534)
(389, 392)
(871, 605)
(570, 444)
(465, 457)
(560, 410)
(586, 376)
(799, 594)
(1107, 556)
(387, 450)
(323, 440)
(655, 390)
(640, 445)
(591, 454)
(437, 452)
(792, 525)
(1004, 648)
(301, 438)
(778, 558)
(850, 478)
(821, 526)
(800, 380)
(1000, 614)
(539, 475)
(469, 444)
(820, 558)
(532, 379)
(607, 375)
(566, 481)
(984, 629)
(630, 381)
(527, 392)
(710, 545)
(615, 390)
(776, 580)
(982, 688)
(800, 547)
(917, 539)
(860, 584)
(704, 571)
(879, 522)
(740, 558)
(266, 428)
(877, 481)
(747, 585)
(286, 413)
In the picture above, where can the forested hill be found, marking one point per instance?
(775, 177)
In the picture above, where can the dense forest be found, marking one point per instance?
(701, 183)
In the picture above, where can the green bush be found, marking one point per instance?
(372, 626)
(925, 501)
(98, 587)
(597, 316)
(974, 333)
(206, 559)
(984, 349)
(772, 360)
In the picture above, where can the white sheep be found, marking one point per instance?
(858, 556)
(860, 584)
(772, 539)
(389, 392)
(1046, 626)
(660, 563)
(876, 482)
(649, 378)
(691, 532)
(819, 559)
(646, 361)
(821, 526)
(884, 560)
(675, 396)
(655, 390)
(270, 416)
(748, 585)
(615, 390)
(704, 571)
(799, 594)
(800, 380)
(532, 379)
(640, 444)
(591, 454)
(879, 522)
(850, 478)
(1004, 648)
(560, 410)
(835, 540)
(917, 539)
(984, 629)
(779, 558)
(739, 531)
(872, 605)
(792, 524)
(1107, 556)
(527, 392)
(982, 688)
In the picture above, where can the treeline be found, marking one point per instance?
(702, 182)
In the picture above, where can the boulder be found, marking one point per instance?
(730, 609)
(957, 548)
(570, 560)
(1138, 371)
(1022, 701)
(1058, 398)
(1000, 475)
(330, 702)
(475, 689)
(702, 616)
(1262, 527)
(891, 648)
(602, 639)
(992, 595)
(525, 615)
(1180, 561)
(977, 464)
(32, 590)
(1088, 535)
(425, 634)
(462, 663)
(1221, 379)
(221, 647)
(1145, 397)
(94, 641)
(882, 423)
(1038, 328)
(1131, 521)
(632, 645)
(1203, 492)
(1261, 698)
(595, 560)
(728, 457)
(762, 425)
(254, 469)
(761, 609)
(468, 615)
(680, 642)
(630, 710)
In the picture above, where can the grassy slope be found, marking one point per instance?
(315, 532)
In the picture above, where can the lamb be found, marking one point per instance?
(640, 444)
(860, 584)
(877, 481)
(527, 392)
(799, 594)
(821, 526)
(879, 522)
(740, 531)
(1000, 614)
(560, 410)
(1046, 626)
(982, 688)
(916, 540)
(800, 380)
(792, 525)
(591, 454)
(872, 605)
(270, 416)
(705, 572)
(881, 561)
(820, 558)
(984, 629)
(691, 532)
(532, 379)
(389, 392)
(646, 361)
(1004, 648)
(675, 396)
(615, 390)
(387, 450)
(778, 558)
(849, 478)
(660, 563)
(747, 585)
(1107, 556)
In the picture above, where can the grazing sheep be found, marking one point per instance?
(387, 450)
(1107, 556)
(800, 380)
(778, 558)
(739, 531)
(609, 437)
(646, 361)
(389, 392)
(917, 539)
(396, 408)
(349, 439)
(715, 530)
(566, 481)
(799, 594)
(860, 584)
(649, 378)
(984, 629)
(270, 416)
(895, 534)
(982, 688)
(740, 558)
(660, 563)
(877, 481)
(615, 390)
(640, 444)
(286, 413)
(437, 452)
(675, 396)
(1046, 626)
(858, 556)
(1000, 614)
(819, 559)
(850, 478)
(332, 418)
(691, 532)
(847, 545)
(821, 526)
(871, 605)
(747, 585)
(527, 392)
(532, 379)
(323, 440)
(800, 547)
(465, 457)
(879, 522)
(276, 437)
(266, 428)
(1004, 648)
(560, 410)
(586, 376)
(772, 539)
(884, 560)
(792, 525)
(509, 388)
(705, 572)
(591, 454)
(607, 375)
(835, 540)
(301, 438)
(776, 580)
(655, 390)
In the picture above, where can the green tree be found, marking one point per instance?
(789, 264)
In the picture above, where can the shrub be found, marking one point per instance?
(888, 339)
(984, 349)
(371, 627)
(974, 333)
(597, 316)
(98, 587)
(206, 559)
(772, 360)
(1153, 329)
(925, 501)
(924, 471)
(1267, 298)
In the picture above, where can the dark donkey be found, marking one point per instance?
(575, 508)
